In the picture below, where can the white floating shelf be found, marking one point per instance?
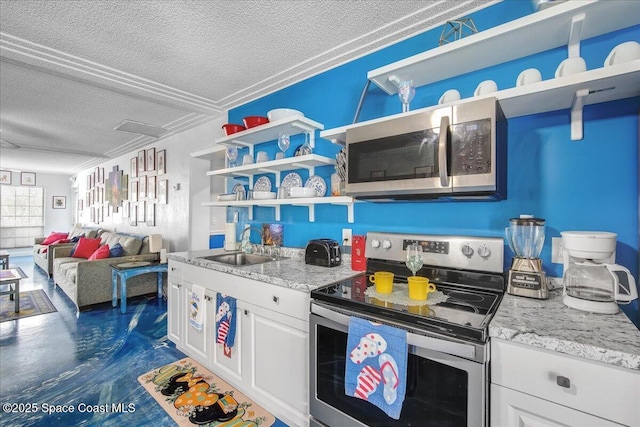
(603, 85)
(309, 202)
(308, 161)
(541, 31)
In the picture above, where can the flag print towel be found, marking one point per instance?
(225, 320)
(376, 365)
(196, 307)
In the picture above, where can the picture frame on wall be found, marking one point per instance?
(151, 159)
(161, 162)
(28, 178)
(151, 215)
(133, 215)
(163, 186)
(142, 213)
(142, 188)
(141, 161)
(125, 208)
(134, 191)
(5, 177)
(134, 167)
(151, 188)
(59, 202)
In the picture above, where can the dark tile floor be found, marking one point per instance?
(93, 359)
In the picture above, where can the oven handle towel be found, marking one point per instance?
(196, 307)
(376, 368)
(225, 321)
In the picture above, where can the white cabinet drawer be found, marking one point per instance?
(280, 299)
(511, 408)
(603, 390)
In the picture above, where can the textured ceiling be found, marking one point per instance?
(70, 71)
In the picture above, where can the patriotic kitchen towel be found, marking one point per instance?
(196, 307)
(225, 320)
(376, 365)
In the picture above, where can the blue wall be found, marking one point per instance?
(583, 185)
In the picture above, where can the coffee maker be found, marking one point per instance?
(592, 280)
(526, 238)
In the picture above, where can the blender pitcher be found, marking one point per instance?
(526, 238)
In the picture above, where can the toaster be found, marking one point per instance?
(323, 252)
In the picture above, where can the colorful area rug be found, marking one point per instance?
(32, 303)
(192, 395)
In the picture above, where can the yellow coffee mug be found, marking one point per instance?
(383, 281)
(420, 288)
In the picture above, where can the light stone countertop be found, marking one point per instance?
(549, 324)
(291, 272)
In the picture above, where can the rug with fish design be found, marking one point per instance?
(192, 395)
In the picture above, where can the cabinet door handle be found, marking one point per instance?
(276, 299)
(246, 312)
(173, 269)
(563, 381)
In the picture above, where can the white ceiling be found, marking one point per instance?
(71, 71)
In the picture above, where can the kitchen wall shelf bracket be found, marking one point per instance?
(576, 114)
(575, 35)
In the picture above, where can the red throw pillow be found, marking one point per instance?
(54, 236)
(61, 241)
(86, 247)
(100, 253)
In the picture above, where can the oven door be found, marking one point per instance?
(442, 390)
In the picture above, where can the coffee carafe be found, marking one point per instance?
(592, 280)
(526, 238)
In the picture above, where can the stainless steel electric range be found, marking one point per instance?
(447, 371)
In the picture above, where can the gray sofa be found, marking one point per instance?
(43, 255)
(89, 282)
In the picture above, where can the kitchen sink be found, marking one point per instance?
(240, 258)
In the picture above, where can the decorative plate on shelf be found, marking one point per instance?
(291, 180)
(239, 188)
(318, 183)
(262, 184)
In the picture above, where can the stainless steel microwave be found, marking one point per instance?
(456, 153)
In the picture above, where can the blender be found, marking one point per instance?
(526, 277)
(592, 280)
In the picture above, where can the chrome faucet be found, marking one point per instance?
(248, 249)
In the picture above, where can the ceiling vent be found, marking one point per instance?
(141, 128)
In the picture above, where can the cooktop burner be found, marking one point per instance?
(466, 313)
(473, 292)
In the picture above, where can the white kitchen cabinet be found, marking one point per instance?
(565, 24)
(228, 365)
(512, 408)
(555, 384)
(175, 309)
(196, 342)
(278, 365)
(269, 360)
(265, 133)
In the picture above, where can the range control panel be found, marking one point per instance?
(460, 252)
